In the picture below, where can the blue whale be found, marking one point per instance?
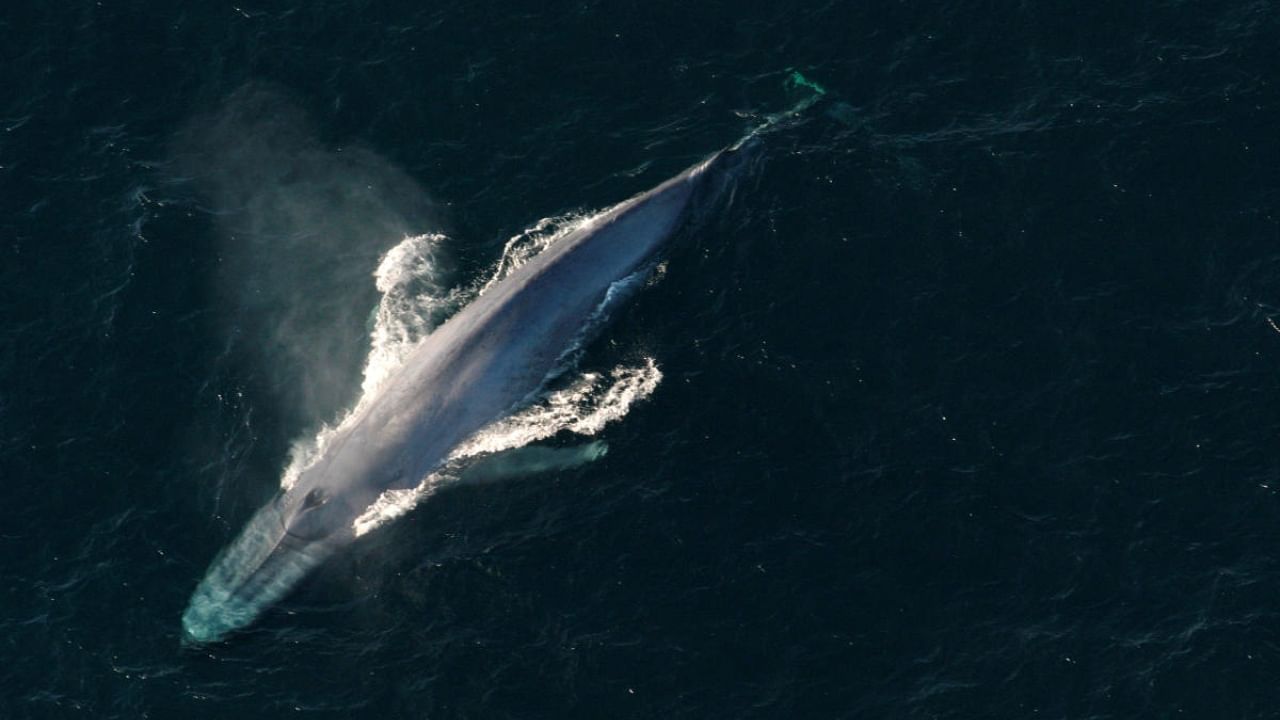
(488, 360)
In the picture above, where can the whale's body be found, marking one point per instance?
(484, 362)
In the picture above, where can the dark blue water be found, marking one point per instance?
(971, 403)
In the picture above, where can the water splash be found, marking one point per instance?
(524, 246)
(391, 504)
(414, 302)
(585, 407)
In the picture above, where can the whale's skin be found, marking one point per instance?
(485, 361)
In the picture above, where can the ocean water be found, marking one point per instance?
(965, 405)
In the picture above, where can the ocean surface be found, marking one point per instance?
(966, 404)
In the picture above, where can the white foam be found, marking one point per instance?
(413, 303)
(391, 504)
(585, 407)
(525, 245)
(582, 408)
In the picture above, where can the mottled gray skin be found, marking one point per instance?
(483, 363)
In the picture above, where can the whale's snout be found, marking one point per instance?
(254, 572)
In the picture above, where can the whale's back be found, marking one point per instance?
(499, 350)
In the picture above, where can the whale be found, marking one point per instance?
(488, 360)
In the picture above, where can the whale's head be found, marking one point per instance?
(283, 542)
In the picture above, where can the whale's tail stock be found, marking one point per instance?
(725, 168)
